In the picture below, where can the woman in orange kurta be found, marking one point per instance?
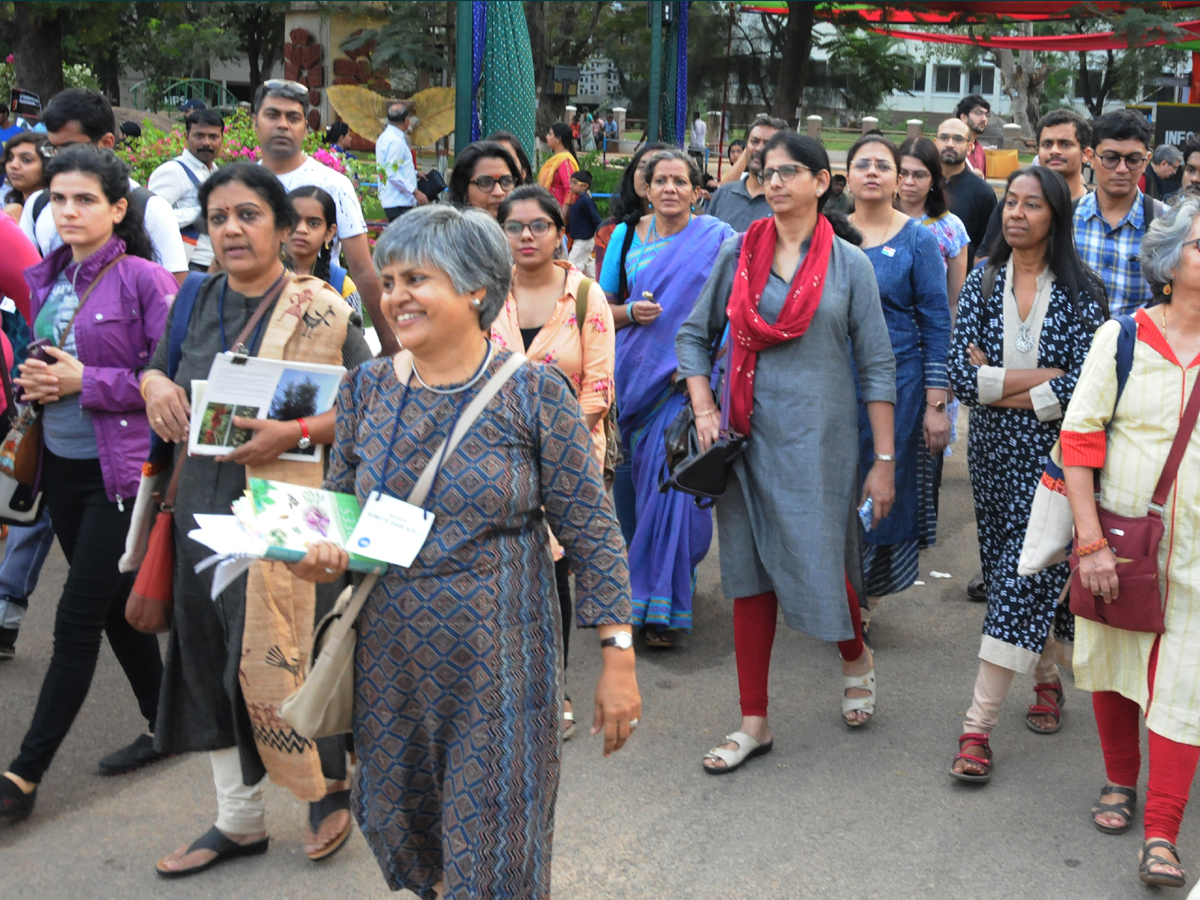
(540, 317)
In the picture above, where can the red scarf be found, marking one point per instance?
(749, 334)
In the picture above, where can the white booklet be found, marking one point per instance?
(255, 388)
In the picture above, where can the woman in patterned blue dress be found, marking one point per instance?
(458, 672)
(912, 287)
(1015, 358)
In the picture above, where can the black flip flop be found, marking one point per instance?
(225, 849)
(320, 811)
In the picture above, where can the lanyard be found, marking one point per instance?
(459, 409)
(257, 328)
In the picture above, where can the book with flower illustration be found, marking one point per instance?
(277, 520)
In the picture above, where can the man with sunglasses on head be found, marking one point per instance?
(1110, 223)
(742, 198)
(398, 190)
(80, 116)
(281, 123)
(968, 196)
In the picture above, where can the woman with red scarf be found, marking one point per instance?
(803, 313)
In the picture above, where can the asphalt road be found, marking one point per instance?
(831, 813)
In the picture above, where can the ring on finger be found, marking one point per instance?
(331, 571)
(633, 723)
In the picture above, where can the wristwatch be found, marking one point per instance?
(305, 441)
(940, 406)
(885, 457)
(622, 640)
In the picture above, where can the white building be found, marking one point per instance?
(599, 82)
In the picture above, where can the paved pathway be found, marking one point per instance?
(831, 813)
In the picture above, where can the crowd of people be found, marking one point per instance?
(558, 348)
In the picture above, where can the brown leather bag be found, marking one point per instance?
(151, 603)
(1134, 541)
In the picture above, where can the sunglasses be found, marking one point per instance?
(538, 227)
(1112, 160)
(486, 182)
(294, 87)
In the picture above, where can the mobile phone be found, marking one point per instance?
(37, 350)
(866, 513)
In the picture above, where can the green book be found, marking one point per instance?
(289, 517)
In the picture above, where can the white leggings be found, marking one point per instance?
(993, 683)
(241, 808)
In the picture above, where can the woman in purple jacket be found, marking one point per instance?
(101, 303)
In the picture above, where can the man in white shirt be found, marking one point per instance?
(178, 181)
(280, 121)
(699, 133)
(398, 189)
(80, 116)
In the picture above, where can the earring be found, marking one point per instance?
(476, 302)
(1166, 290)
(693, 207)
(649, 205)
(328, 245)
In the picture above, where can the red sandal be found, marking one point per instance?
(966, 741)
(1048, 705)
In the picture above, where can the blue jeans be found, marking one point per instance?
(625, 499)
(24, 555)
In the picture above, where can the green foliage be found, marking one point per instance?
(164, 51)
(406, 41)
(865, 67)
(74, 75)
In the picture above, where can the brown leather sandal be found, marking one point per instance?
(1123, 808)
(1146, 859)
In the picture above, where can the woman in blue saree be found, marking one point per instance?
(652, 278)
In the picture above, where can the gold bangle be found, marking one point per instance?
(146, 381)
(709, 412)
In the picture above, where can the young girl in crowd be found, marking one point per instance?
(311, 243)
(25, 169)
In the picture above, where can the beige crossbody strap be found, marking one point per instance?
(421, 489)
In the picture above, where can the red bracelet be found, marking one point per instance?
(303, 429)
(1093, 547)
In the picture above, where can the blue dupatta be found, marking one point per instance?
(672, 535)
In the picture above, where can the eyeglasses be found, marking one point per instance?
(280, 84)
(486, 182)
(785, 173)
(952, 138)
(1193, 242)
(1111, 160)
(881, 165)
(49, 151)
(915, 174)
(538, 227)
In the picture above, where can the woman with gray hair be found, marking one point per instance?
(458, 671)
(1126, 434)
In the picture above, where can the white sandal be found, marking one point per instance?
(854, 704)
(748, 748)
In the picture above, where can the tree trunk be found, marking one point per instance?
(789, 90)
(37, 37)
(1024, 82)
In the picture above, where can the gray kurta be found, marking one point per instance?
(197, 709)
(786, 521)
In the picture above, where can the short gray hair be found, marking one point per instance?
(467, 245)
(1162, 247)
(1166, 153)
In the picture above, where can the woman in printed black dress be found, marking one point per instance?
(1036, 324)
(458, 683)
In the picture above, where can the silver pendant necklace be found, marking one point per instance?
(462, 387)
(1024, 340)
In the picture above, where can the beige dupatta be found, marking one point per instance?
(308, 324)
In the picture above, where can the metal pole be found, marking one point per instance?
(462, 74)
(725, 95)
(656, 14)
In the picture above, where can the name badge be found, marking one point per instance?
(391, 530)
(889, 251)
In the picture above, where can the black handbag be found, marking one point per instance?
(703, 474)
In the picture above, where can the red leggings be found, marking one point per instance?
(1172, 765)
(754, 634)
